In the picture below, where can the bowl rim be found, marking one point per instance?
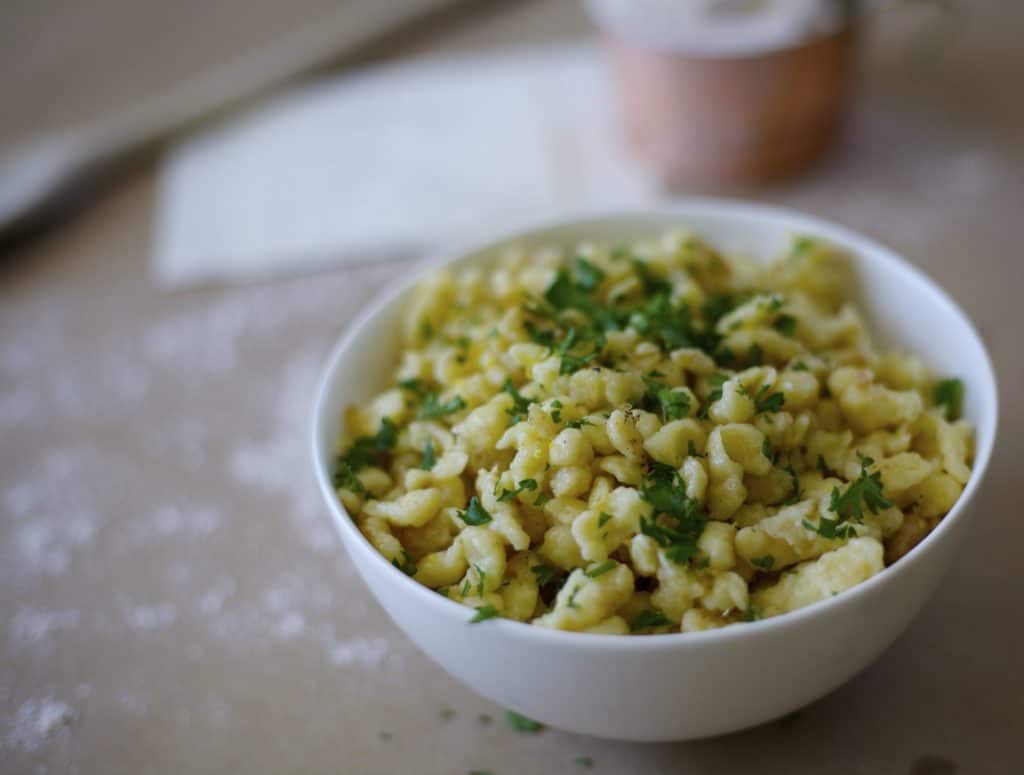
(865, 248)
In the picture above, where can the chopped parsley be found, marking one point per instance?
(764, 401)
(520, 403)
(428, 456)
(572, 363)
(691, 449)
(432, 409)
(542, 498)
(750, 614)
(767, 562)
(584, 761)
(571, 602)
(767, 451)
(795, 495)
(485, 612)
(717, 380)
(800, 366)
(475, 514)
(603, 518)
(524, 485)
(865, 492)
(676, 524)
(415, 386)
(365, 451)
(588, 276)
(831, 528)
(648, 619)
(545, 574)
(407, 565)
(823, 467)
(673, 404)
(521, 723)
(578, 423)
(785, 325)
(601, 569)
(949, 393)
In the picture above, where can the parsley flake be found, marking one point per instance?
(767, 562)
(949, 393)
(428, 456)
(407, 565)
(676, 523)
(524, 485)
(648, 619)
(765, 401)
(601, 569)
(521, 723)
(485, 612)
(866, 491)
(603, 518)
(475, 514)
(432, 409)
(545, 574)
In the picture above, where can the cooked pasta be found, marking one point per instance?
(648, 438)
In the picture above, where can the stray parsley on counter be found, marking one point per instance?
(521, 723)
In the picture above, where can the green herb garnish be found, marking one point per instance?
(648, 619)
(603, 518)
(795, 495)
(785, 325)
(407, 565)
(676, 523)
(485, 612)
(365, 451)
(865, 492)
(432, 409)
(767, 562)
(428, 456)
(520, 403)
(524, 485)
(949, 393)
(672, 404)
(601, 569)
(475, 514)
(765, 401)
(545, 574)
(521, 723)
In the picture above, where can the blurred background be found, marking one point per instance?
(196, 198)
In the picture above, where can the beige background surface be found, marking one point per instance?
(171, 596)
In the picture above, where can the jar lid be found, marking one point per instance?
(719, 28)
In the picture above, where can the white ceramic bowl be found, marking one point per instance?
(679, 686)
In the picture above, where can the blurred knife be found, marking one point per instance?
(41, 180)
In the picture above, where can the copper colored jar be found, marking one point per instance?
(732, 120)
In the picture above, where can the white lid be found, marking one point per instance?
(716, 28)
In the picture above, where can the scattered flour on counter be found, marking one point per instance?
(150, 618)
(33, 627)
(181, 520)
(36, 722)
(365, 652)
(280, 463)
